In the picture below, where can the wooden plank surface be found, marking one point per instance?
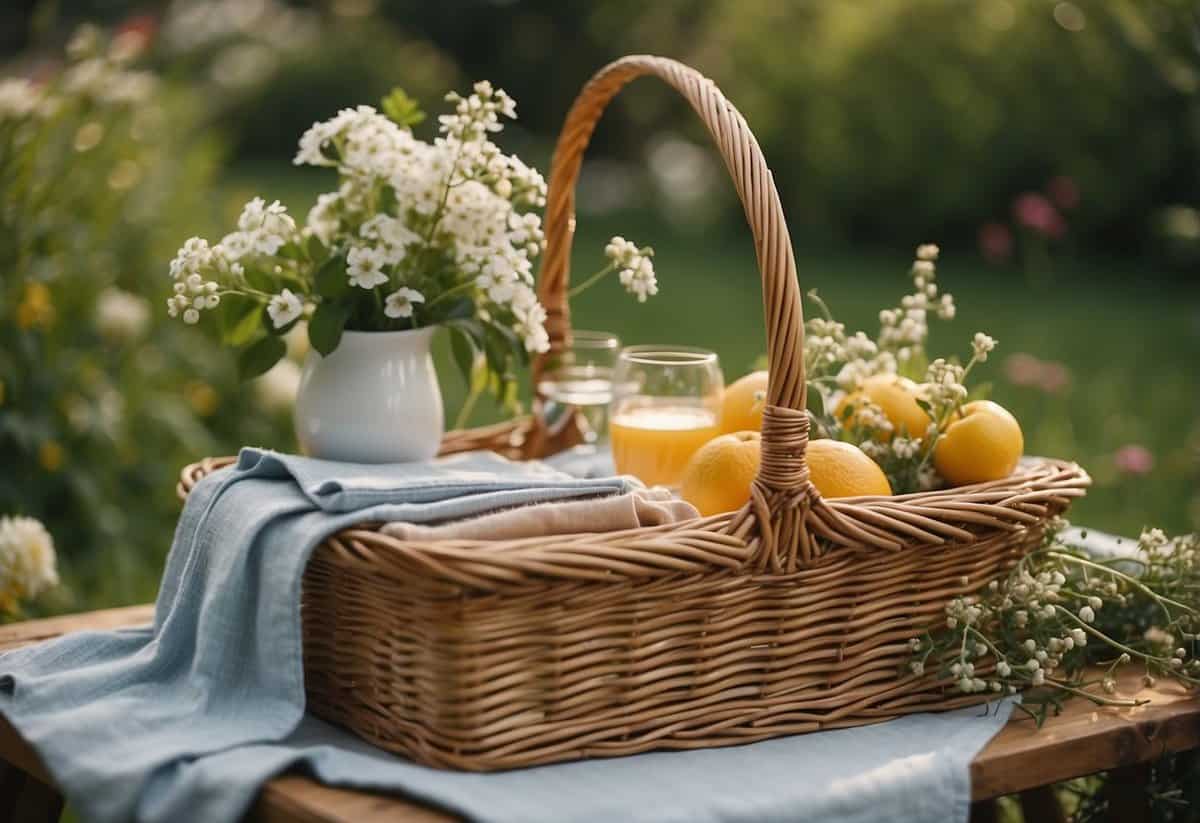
(1087, 738)
(1082, 740)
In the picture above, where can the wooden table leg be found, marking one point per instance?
(1041, 804)
(25, 799)
(1127, 793)
(983, 811)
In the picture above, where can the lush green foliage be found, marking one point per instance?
(101, 398)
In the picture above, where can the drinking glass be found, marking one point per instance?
(581, 380)
(666, 405)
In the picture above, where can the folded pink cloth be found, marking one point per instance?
(645, 507)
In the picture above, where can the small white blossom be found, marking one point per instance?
(284, 308)
(922, 269)
(18, 97)
(364, 265)
(982, 345)
(927, 251)
(400, 302)
(262, 229)
(635, 268)
(1086, 614)
(28, 563)
(121, 316)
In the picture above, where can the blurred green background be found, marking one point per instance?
(1051, 148)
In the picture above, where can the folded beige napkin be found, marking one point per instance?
(644, 507)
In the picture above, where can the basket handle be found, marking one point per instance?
(774, 519)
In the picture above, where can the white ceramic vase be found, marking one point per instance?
(374, 399)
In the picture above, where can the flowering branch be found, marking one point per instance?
(1022, 629)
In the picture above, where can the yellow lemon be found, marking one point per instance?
(840, 469)
(983, 443)
(896, 396)
(718, 476)
(742, 403)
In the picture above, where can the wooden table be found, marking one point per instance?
(1021, 759)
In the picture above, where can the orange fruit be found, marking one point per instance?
(742, 403)
(718, 476)
(897, 397)
(983, 443)
(840, 469)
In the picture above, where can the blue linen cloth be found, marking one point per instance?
(117, 715)
(185, 719)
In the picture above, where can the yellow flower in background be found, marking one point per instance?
(51, 455)
(36, 309)
(28, 563)
(201, 397)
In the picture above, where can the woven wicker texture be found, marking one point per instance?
(789, 616)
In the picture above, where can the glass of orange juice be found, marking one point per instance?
(666, 405)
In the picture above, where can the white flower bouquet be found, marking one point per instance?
(417, 234)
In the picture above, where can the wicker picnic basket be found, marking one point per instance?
(789, 616)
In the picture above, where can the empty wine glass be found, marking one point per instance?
(581, 381)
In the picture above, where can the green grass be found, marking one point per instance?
(1130, 341)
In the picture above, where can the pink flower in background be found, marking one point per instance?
(1133, 459)
(1035, 212)
(137, 32)
(995, 242)
(1054, 377)
(1063, 191)
(1050, 376)
(1023, 369)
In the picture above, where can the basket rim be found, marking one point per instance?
(944, 518)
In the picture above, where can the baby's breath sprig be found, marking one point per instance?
(838, 363)
(634, 266)
(1061, 614)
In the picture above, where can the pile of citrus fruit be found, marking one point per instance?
(983, 442)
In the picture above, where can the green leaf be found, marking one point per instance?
(512, 342)
(331, 279)
(471, 327)
(401, 108)
(495, 349)
(290, 251)
(981, 392)
(239, 318)
(458, 309)
(463, 350)
(260, 356)
(261, 280)
(326, 326)
(816, 400)
(387, 200)
(314, 248)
